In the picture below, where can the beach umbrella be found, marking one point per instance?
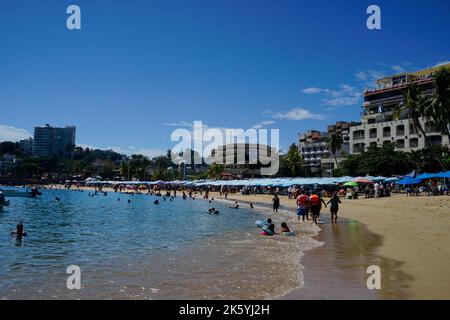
(393, 179)
(444, 175)
(351, 184)
(427, 176)
(362, 180)
(409, 180)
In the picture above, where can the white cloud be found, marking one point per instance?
(398, 68)
(9, 133)
(313, 90)
(369, 76)
(345, 95)
(343, 101)
(263, 124)
(297, 114)
(180, 123)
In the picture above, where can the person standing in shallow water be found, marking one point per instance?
(316, 205)
(334, 206)
(276, 203)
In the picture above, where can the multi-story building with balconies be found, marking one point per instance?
(312, 147)
(379, 125)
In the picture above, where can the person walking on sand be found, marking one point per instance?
(334, 206)
(276, 203)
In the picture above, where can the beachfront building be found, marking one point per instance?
(54, 141)
(26, 146)
(313, 146)
(242, 160)
(379, 125)
(329, 161)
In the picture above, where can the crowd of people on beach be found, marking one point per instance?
(309, 199)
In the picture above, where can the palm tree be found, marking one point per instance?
(294, 161)
(414, 108)
(125, 169)
(335, 142)
(215, 171)
(438, 104)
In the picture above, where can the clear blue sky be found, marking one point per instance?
(137, 68)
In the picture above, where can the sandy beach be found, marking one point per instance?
(414, 231)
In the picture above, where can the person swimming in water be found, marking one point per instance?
(236, 205)
(284, 227)
(271, 226)
(269, 229)
(213, 211)
(19, 233)
(156, 201)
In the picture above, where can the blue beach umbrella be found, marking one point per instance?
(409, 180)
(443, 175)
(427, 176)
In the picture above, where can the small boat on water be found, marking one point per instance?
(20, 194)
(3, 201)
(16, 193)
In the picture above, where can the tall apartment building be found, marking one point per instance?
(54, 141)
(378, 123)
(312, 147)
(26, 146)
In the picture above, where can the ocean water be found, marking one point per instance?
(138, 250)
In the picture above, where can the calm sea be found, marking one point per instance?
(138, 250)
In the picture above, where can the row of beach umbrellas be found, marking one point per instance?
(283, 182)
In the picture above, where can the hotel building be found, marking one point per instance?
(54, 141)
(379, 125)
(312, 146)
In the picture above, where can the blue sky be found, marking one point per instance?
(138, 70)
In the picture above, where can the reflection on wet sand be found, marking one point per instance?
(337, 270)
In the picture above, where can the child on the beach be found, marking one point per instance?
(276, 203)
(284, 227)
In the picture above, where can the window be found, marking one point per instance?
(358, 147)
(386, 131)
(400, 144)
(435, 140)
(414, 143)
(400, 130)
(373, 133)
(358, 135)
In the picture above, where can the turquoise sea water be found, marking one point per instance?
(137, 249)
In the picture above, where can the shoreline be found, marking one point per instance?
(413, 239)
(334, 269)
